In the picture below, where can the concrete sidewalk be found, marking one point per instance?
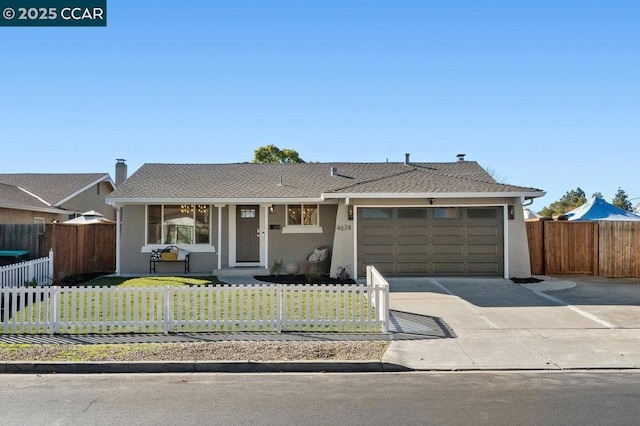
(499, 325)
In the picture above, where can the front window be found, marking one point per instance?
(178, 224)
(302, 214)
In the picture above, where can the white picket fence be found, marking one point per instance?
(219, 308)
(37, 271)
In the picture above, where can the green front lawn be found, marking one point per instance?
(150, 281)
(197, 309)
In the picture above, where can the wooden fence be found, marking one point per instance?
(79, 249)
(225, 308)
(605, 248)
(82, 249)
(23, 237)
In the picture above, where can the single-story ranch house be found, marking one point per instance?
(433, 219)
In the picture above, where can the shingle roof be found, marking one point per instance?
(52, 187)
(306, 180)
(12, 195)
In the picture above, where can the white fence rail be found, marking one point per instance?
(222, 308)
(32, 272)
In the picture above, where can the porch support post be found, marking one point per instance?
(118, 220)
(219, 249)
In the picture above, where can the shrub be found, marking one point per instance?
(277, 268)
(344, 273)
(311, 272)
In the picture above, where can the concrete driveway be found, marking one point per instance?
(568, 323)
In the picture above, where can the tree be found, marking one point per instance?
(568, 202)
(597, 194)
(621, 199)
(273, 154)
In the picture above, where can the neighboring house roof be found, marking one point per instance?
(13, 197)
(54, 189)
(240, 181)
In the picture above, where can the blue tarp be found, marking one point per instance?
(599, 209)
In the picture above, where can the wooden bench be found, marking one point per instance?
(169, 254)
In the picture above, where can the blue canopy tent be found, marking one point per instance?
(599, 209)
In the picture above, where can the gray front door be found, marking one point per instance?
(248, 234)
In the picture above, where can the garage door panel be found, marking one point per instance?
(383, 249)
(377, 231)
(448, 249)
(484, 268)
(405, 231)
(411, 268)
(448, 268)
(413, 249)
(482, 230)
(429, 245)
(482, 249)
(441, 241)
(447, 231)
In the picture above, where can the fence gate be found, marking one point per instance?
(571, 247)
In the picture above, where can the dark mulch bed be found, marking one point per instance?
(526, 280)
(300, 279)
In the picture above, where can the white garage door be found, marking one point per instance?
(436, 241)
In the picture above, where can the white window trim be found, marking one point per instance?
(39, 221)
(301, 229)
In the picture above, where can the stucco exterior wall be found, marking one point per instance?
(134, 257)
(295, 247)
(519, 260)
(92, 198)
(132, 260)
(16, 217)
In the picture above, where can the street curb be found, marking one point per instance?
(105, 367)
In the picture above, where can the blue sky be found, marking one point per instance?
(545, 94)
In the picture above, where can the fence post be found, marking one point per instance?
(385, 306)
(54, 319)
(31, 272)
(167, 315)
(50, 277)
(279, 308)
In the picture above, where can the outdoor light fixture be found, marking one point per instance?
(511, 212)
(431, 200)
(272, 210)
(349, 212)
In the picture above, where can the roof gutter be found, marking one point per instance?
(435, 195)
(116, 202)
(34, 209)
